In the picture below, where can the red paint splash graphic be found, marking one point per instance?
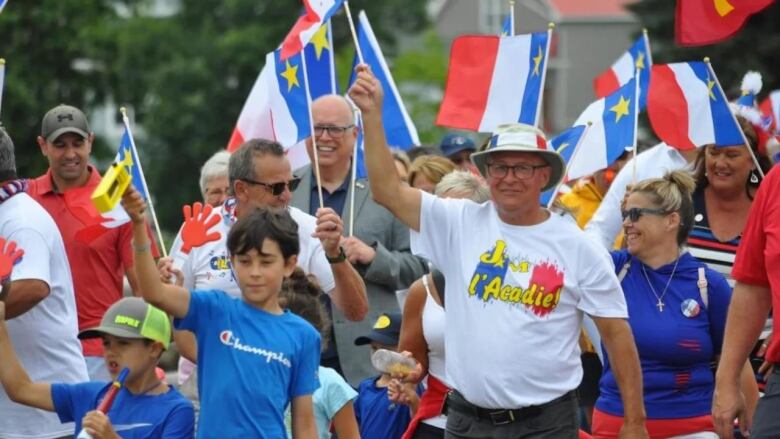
(545, 286)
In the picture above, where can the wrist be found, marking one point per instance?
(336, 258)
(142, 247)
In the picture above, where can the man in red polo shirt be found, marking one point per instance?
(99, 256)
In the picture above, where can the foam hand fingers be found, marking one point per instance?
(213, 236)
(15, 256)
(187, 210)
(196, 208)
(212, 221)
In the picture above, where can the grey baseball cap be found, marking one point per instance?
(64, 119)
(131, 317)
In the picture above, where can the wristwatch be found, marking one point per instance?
(340, 258)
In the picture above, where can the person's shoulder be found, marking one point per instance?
(367, 385)
(83, 390)
(175, 399)
(298, 323)
(23, 212)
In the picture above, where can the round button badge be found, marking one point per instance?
(690, 308)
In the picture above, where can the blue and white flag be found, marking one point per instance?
(565, 144)
(399, 128)
(613, 120)
(320, 68)
(127, 156)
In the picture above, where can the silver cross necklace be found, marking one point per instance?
(660, 304)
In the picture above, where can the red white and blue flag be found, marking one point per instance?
(494, 80)
(317, 13)
(687, 108)
(770, 109)
(700, 22)
(637, 57)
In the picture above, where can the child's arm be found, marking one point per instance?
(98, 426)
(172, 299)
(303, 425)
(344, 422)
(14, 378)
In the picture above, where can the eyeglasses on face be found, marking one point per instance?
(334, 131)
(635, 213)
(521, 171)
(276, 189)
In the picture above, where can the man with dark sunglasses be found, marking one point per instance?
(260, 176)
(379, 247)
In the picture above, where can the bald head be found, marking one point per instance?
(335, 108)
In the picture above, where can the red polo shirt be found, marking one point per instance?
(758, 255)
(98, 259)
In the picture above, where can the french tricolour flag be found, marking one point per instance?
(494, 80)
(638, 57)
(317, 13)
(277, 107)
(687, 109)
(770, 108)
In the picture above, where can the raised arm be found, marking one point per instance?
(17, 384)
(172, 299)
(403, 201)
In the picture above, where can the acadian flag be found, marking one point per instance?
(564, 144)
(770, 109)
(613, 125)
(399, 128)
(317, 13)
(638, 57)
(687, 109)
(277, 107)
(700, 22)
(494, 80)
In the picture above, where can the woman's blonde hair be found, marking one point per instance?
(434, 168)
(671, 193)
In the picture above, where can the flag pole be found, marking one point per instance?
(636, 123)
(550, 28)
(311, 128)
(734, 118)
(356, 114)
(354, 34)
(512, 17)
(2, 79)
(571, 160)
(647, 45)
(126, 121)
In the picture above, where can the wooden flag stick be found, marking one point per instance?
(512, 17)
(311, 127)
(354, 33)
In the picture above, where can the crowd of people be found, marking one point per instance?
(635, 307)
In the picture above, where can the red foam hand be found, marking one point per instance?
(8, 256)
(198, 220)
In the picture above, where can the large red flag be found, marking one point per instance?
(701, 22)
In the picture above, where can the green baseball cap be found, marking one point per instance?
(131, 317)
(64, 119)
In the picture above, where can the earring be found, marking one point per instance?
(753, 177)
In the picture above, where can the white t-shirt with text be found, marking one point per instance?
(515, 296)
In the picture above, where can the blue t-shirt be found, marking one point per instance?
(251, 364)
(376, 415)
(167, 415)
(677, 346)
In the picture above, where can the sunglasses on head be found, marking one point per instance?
(635, 213)
(276, 189)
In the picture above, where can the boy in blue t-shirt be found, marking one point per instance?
(253, 357)
(135, 334)
(377, 415)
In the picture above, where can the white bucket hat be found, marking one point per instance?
(518, 137)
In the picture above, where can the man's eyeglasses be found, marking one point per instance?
(276, 189)
(334, 131)
(635, 213)
(520, 171)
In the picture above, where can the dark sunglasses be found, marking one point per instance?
(276, 189)
(635, 213)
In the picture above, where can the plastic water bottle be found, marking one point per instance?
(392, 363)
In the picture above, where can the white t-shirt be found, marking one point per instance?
(208, 267)
(45, 337)
(606, 222)
(514, 299)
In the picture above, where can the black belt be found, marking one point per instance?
(456, 401)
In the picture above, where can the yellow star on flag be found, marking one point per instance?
(710, 84)
(538, 61)
(290, 73)
(723, 7)
(621, 108)
(320, 40)
(640, 61)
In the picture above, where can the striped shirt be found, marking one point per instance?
(702, 243)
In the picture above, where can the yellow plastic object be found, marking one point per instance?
(111, 187)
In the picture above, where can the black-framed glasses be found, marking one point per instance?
(635, 213)
(520, 171)
(276, 189)
(334, 131)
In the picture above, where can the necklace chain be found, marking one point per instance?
(660, 304)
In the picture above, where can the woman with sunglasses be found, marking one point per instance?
(677, 312)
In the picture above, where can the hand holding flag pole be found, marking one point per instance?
(126, 121)
(568, 163)
(734, 117)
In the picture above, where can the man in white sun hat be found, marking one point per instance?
(518, 282)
